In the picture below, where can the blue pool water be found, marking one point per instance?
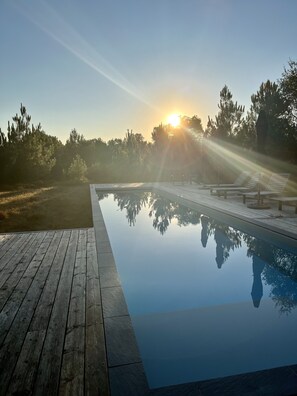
(206, 300)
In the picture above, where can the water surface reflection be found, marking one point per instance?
(270, 264)
(204, 296)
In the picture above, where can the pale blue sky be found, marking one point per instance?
(104, 66)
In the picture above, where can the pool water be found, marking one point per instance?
(206, 300)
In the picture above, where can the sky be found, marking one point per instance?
(105, 66)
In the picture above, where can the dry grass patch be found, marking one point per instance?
(45, 208)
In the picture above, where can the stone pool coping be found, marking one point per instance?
(125, 368)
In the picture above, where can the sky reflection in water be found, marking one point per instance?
(206, 300)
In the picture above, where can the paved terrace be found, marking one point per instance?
(60, 333)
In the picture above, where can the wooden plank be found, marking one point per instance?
(25, 371)
(8, 286)
(47, 380)
(72, 371)
(96, 377)
(14, 340)
(14, 249)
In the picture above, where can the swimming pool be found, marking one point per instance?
(206, 299)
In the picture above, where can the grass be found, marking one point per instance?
(27, 208)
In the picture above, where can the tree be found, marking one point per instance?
(192, 125)
(288, 87)
(66, 155)
(160, 136)
(77, 169)
(38, 154)
(75, 138)
(136, 147)
(176, 149)
(2, 138)
(19, 127)
(28, 153)
(282, 138)
(246, 135)
(229, 120)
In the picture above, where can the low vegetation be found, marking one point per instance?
(35, 208)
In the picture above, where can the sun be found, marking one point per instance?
(174, 120)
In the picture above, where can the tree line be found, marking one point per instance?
(29, 154)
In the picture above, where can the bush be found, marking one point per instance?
(77, 170)
(95, 173)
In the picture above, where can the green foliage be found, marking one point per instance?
(288, 86)
(38, 154)
(94, 173)
(282, 137)
(77, 170)
(229, 120)
(20, 126)
(2, 138)
(246, 134)
(75, 138)
(28, 153)
(193, 125)
(176, 151)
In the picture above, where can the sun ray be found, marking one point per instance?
(52, 23)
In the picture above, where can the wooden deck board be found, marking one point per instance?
(96, 380)
(50, 344)
(72, 372)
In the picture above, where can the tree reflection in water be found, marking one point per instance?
(271, 264)
(278, 268)
(132, 203)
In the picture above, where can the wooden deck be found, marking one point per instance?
(51, 332)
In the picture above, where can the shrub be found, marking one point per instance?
(77, 170)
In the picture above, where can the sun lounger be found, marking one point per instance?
(285, 200)
(251, 185)
(238, 182)
(275, 186)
